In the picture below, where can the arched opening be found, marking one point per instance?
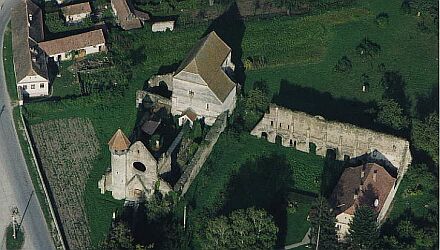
(139, 166)
(330, 154)
(346, 157)
(291, 143)
(161, 89)
(279, 140)
(264, 135)
(312, 148)
(138, 193)
(294, 144)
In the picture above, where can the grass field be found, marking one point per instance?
(403, 48)
(8, 64)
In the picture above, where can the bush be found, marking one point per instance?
(382, 19)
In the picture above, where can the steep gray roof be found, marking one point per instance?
(206, 59)
(28, 57)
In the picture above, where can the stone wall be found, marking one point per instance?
(141, 94)
(300, 130)
(201, 155)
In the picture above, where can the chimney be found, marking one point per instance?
(375, 175)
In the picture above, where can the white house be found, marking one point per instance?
(201, 82)
(30, 62)
(76, 12)
(187, 116)
(162, 26)
(77, 45)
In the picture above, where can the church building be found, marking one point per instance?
(202, 82)
(134, 174)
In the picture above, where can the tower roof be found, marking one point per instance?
(119, 141)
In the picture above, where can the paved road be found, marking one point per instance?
(15, 184)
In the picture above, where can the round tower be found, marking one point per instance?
(119, 146)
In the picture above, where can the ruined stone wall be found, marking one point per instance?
(299, 130)
(201, 155)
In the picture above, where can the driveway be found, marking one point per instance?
(15, 183)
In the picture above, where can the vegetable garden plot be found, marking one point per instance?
(67, 148)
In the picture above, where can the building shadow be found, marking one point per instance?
(313, 102)
(331, 173)
(263, 183)
(230, 28)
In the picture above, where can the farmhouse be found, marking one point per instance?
(162, 26)
(202, 82)
(77, 45)
(368, 184)
(30, 62)
(134, 173)
(76, 12)
(126, 18)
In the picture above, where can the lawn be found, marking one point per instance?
(8, 64)
(408, 50)
(297, 224)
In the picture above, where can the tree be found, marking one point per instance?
(368, 49)
(343, 65)
(391, 114)
(424, 135)
(119, 238)
(363, 232)
(323, 219)
(243, 229)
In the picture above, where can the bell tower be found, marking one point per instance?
(118, 146)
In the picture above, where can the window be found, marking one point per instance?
(271, 123)
(280, 124)
(288, 126)
(207, 106)
(32, 86)
(24, 87)
(41, 85)
(191, 93)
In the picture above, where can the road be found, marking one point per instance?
(15, 183)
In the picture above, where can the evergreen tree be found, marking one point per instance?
(323, 219)
(363, 230)
(119, 238)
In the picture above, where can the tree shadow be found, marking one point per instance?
(313, 102)
(230, 28)
(427, 104)
(262, 183)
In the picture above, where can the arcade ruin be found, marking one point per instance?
(303, 131)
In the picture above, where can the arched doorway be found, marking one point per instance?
(264, 135)
(312, 148)
(330, 154)
(279, 140)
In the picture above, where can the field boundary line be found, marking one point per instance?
(40, 176)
